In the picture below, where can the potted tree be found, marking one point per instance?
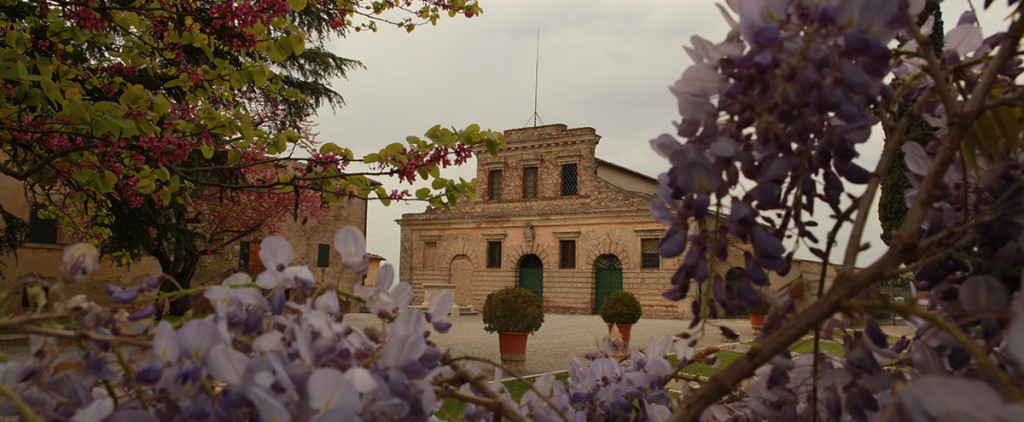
(622, 310)
(513, 313)
(757, 314)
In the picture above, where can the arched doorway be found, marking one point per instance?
(460, 273)
(531, 274)
(607, 278)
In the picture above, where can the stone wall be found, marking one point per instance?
(39, 262)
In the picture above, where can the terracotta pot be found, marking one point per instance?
(756, 320)
(512, 343)
(624, 329)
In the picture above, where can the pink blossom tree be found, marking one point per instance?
(118, 111)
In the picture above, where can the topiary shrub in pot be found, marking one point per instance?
(622, 310)
(513, 313)
(757, 314)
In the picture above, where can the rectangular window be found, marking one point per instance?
(494, 185)
(529, 182)
(429, 254)
(41, 230)
(566, 254)
(493, 254)
(323, 255)
(569, 176)
(649, 257)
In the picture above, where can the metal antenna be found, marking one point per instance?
(536, 77)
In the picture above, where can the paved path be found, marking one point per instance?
(563, 337)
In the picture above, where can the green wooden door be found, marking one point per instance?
(531, 275)
(607, 279)
(732, 286)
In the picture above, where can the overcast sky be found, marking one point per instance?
(604, 64)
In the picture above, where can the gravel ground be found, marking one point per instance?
(563, 337)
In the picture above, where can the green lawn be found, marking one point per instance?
(807, 346)
(451, 410)
(725, 357)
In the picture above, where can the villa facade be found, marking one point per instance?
(550, 217)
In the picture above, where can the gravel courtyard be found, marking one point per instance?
(563, 337)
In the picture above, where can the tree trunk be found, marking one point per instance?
(180, 270)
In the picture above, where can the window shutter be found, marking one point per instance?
(243, 255)
(323, 256)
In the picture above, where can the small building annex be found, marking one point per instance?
(38, 260)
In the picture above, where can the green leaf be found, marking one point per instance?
(297, 5)
(45, 68)
(145, 186)
(439, 183)
(236, 80)
(260, 74)
(107, 182)
(371, 158)
(161, 105)
(207, 151)
(492, 146)
(298, 43)
(121, 122)
(133, 96)
(245, 127)
(84, 176)
(52, 92)
(279, 50)
(76, 111)
(422, 193)
(290, 136)
(279, 145)
(165, 195)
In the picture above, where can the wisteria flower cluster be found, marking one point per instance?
(772, 120)
(783, 102)
(260, 355)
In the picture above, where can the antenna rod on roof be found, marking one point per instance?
(536, 77)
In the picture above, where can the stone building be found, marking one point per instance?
(39, 259)
(549, 217)
(313, 244)
(554, 219)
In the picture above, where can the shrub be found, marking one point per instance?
(621, 308)
(761, 308)
(513, 309)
